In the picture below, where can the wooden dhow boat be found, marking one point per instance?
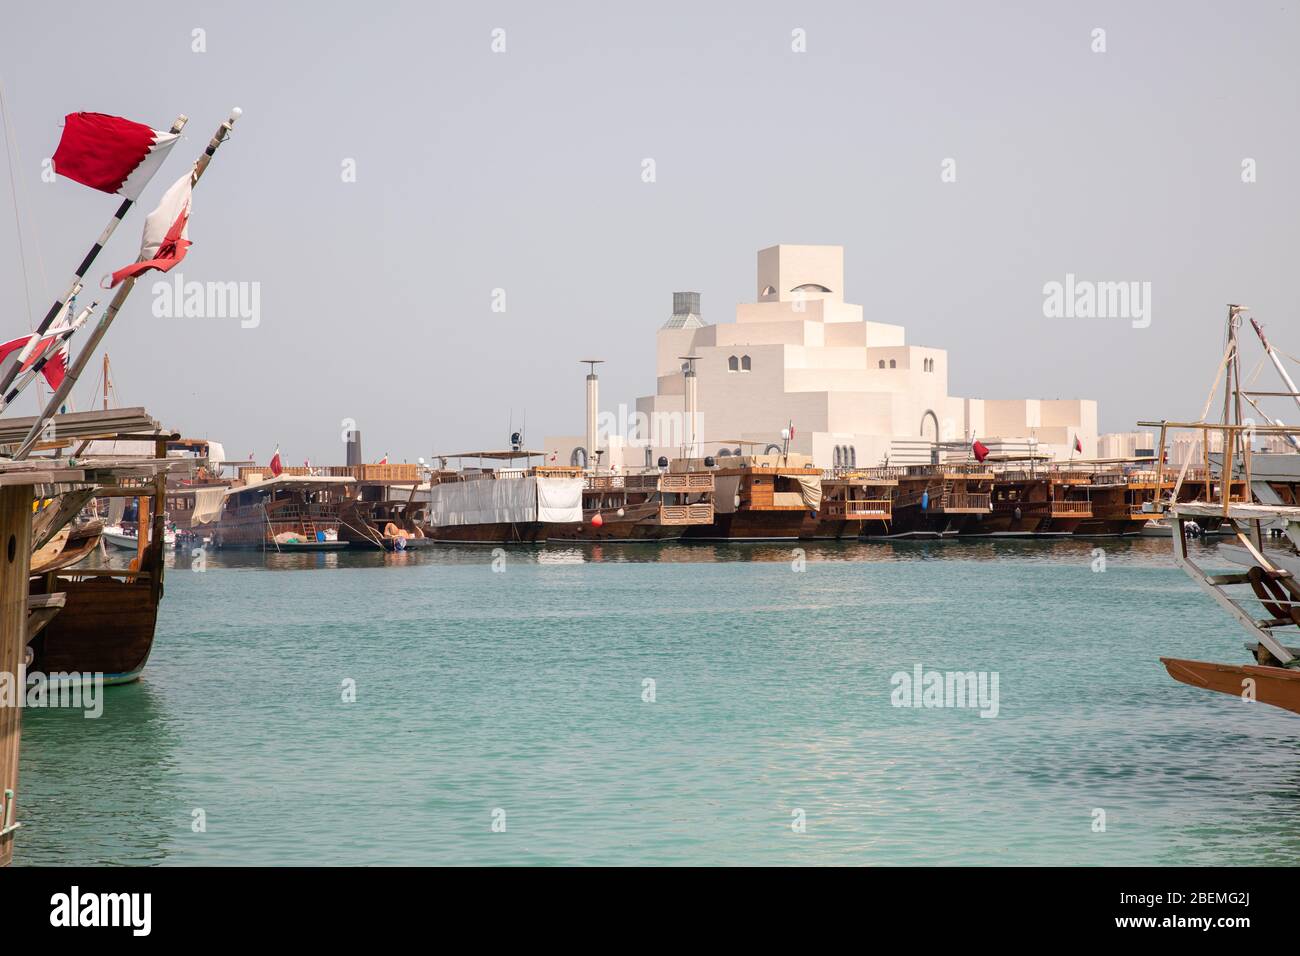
(106, 622)
(284, 513)
(385, 508)
(1263, 594)
(1031, 498)
(652, 505)
(760, 498)
(854, 502)
(492, 504)
(941, 500)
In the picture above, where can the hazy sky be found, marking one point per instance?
(522, 171)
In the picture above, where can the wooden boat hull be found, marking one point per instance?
(106, 626)
(912, 522)
(291, 546)
(1276, 686)
(533, 532)
(833, 529)
(1109, 528)
(618, 529)
(1059, 526)
(749, 525)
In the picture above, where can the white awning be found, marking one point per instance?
(207, 505)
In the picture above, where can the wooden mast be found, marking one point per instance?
(15, 559)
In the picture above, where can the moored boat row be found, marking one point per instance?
(506, 497)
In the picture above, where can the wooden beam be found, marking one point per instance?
(15, 562)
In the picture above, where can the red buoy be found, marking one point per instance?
(597, 520)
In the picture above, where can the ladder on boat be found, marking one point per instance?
(1275, 589)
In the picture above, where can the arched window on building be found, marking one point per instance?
(882, 363)
(893, 364)
(839, 458)
(744, 363)
(733, 363)
(853, 456)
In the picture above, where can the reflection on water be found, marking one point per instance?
(1145, 550)
(524, 690)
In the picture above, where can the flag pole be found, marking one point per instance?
(77, 277)
(101, 328)
(63, 338)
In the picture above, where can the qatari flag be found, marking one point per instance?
(166, 233)
(980, 449)
(55, 364)
(111, 154)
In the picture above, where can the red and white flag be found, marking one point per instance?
(980, 449)
(384, 460)
(109, 153)
(1078, 445)
(276, 467)
(56, 364)
(166, 233)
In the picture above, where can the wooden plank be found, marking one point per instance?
(15, 555)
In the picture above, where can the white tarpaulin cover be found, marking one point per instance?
(483, 501)
(559, 500)
(506, 501)
(207, 505)
(810, 486)
(724, 495)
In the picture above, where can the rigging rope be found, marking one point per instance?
(1205, 435)
(14, 159)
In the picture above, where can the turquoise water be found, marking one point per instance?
(522, 691)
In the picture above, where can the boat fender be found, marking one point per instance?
(925, 501)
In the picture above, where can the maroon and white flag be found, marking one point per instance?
(54, 347)
(276, 467)
(109, 153)
(980, 449)
(166, 233)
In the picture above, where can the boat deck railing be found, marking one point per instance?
(698, 513)
(964, 501)
(679, 483)
(853, 509)
(313, 512)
